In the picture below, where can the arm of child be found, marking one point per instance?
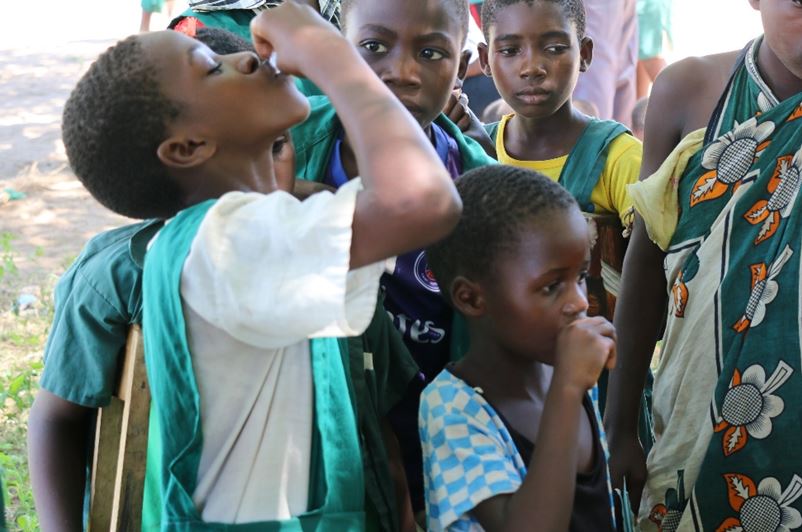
(406, 516)
(409, 200)
(642, 280)
(57, 437)
(584, 348)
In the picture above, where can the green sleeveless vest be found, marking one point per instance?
(587, 158)
(336, 490)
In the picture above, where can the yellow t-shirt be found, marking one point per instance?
(610, 195)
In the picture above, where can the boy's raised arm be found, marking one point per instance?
(409, 199)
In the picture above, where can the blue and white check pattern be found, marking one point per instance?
(468, 453)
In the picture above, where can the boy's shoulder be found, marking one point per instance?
(685, 93)
(121, 249)
(446, 393)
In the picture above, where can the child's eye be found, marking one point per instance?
(551, 289)
(218, 68)
(431, 54)
(583, 276)
(507, 51)
(374, 47)
(556, 48)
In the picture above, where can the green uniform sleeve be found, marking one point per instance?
(96, 300)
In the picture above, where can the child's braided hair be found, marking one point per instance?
(498, 203)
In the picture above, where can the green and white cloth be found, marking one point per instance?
(728, 389)
(254, 410)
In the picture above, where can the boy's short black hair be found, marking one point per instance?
(459, 8)
(574, 10)
(498, 202)
(223, 42)
(112, 125)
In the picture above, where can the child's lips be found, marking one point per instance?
(533, 96)
(413, 108)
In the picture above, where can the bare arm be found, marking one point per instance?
(409, 199)
(405, 514)
(643, 296)
(57, 436)
(585, 347)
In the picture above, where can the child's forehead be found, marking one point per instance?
(421, 16)
(536, 16)
(168, 46)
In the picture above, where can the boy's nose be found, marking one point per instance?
(576, 306)
(247, 62)
(401, 71)
(533, 67)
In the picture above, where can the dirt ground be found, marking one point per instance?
(57, 215)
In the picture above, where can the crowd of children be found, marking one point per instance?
(355, 318)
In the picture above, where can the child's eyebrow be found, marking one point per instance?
(507, 37)
(191, 54)
(433, 36)
(376, 28)
(556, 34)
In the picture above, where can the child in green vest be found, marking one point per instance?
(234, 287)
(416, 48)
(96, 301)
(535, 53)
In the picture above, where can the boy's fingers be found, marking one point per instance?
(258, 35)
(612, 356)
(452, 101)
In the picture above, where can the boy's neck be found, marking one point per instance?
(503, 375)
(228, 174)
(349, 158)
(782, 81)
(538, 139)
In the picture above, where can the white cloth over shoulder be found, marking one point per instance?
(270, 269)
(266, 273)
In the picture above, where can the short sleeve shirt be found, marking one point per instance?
(609, 196)
(469, 455)
(96, 300)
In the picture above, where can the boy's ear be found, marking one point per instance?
(464, 61)
(483, 61)
(585, 53)
(182, 152)
(467, 297)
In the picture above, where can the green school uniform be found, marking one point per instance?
(315, 137)
(314, 140)
(381, 369)
(336, 490)
(96, 300)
